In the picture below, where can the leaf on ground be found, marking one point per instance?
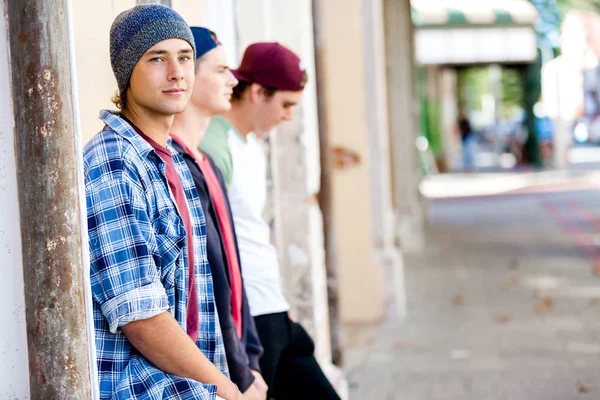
(504, 319)
(458, 300)
(583, 388)
(545, 305)
(541, 294)
(596, 269)
(511, 283)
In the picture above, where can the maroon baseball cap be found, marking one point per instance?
(271, 64)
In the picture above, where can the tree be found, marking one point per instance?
(552, 13)
(585, 5)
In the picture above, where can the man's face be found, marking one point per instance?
(163, 78)
(271, 111)
(214, 83)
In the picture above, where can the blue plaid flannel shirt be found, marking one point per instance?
(138, 262)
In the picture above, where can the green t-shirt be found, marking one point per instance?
(216, 145)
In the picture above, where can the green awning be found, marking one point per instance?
(471, 13)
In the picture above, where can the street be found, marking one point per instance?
(503, 303)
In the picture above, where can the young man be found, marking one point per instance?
(271, 82)
(212, 91)
(157, 334)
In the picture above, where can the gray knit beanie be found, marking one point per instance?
(135, 30)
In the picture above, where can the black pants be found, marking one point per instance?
(288, 365)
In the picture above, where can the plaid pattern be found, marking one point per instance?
(139, 262)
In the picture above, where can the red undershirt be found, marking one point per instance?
(218, 199)
(179, 196)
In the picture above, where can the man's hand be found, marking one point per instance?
(260, 383)
(291, 316)
(177, 354)
(254, 394)
(235, 397)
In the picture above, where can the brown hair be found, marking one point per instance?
(304, 79)
(120, 100)
(242, 86)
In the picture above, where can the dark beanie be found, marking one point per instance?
(204, 40)
(135, 30)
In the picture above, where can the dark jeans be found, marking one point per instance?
(288, 364)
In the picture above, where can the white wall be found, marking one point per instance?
(92, 20)
(95, 80)
(14, 370)
(220, 17)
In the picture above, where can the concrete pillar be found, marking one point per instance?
(326, 196)
(346, 114)
(387, 253)
(377, 121)
(295, 169)
(14, 372)
(403, 104)
(433, 95)
(449, 110)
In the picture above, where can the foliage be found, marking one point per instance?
(585, 5)
(472, 84)
(512, 90)
(552, 13)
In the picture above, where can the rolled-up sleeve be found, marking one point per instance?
(125, 280)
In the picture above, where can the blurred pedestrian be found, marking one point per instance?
(468, 141)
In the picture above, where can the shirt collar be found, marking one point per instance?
(179, 147)
(112, 119)
(228, 126)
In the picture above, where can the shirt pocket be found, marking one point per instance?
(170, 244)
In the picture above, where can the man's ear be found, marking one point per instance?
(256, 91)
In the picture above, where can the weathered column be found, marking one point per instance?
(403, 105)
(435, 117)
(449, 115)
(343, 68)
(387, 252)
(14, 374)
(49, 198)
(326, 194)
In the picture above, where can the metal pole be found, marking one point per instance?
(50, 211)
(325, 197)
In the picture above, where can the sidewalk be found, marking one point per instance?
(503, 304)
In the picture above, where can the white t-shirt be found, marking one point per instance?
(243, 163)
